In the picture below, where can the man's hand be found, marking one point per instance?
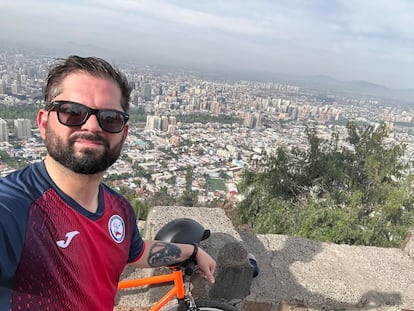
(160, 254)
(206, 264)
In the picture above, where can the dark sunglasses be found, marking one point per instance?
(75, 114)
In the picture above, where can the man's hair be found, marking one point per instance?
(93, 66)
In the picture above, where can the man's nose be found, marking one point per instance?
(92, 124)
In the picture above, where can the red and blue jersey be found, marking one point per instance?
(56, 255)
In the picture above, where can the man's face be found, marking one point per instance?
(84, 149)
(87, 160)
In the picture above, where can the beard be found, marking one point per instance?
(88, 161)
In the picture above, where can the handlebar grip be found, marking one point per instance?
(190, 267)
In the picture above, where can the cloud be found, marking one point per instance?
(390, 20)
(166, 11)
(337, 37)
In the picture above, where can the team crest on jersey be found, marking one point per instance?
(116, 227)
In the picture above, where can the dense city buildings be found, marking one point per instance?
(183, 123)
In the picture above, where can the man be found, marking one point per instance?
(65, 237)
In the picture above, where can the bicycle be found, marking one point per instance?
(186, 231)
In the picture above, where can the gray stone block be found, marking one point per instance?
(234, 273)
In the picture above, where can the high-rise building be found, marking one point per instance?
(146, 91)
(252, 120)
(257, 119)
(164, 123)
(157, 123)
(150, 122)
(248, 119)
(2, 88)
(15, 88)
(4, 132)
(153, 123)
(23, 128)
(215, 108)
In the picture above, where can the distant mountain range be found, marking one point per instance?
(403, 97)
(319, 83)
(326, 84)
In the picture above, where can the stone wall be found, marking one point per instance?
(295, 273)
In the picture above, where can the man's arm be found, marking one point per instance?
(159, 254)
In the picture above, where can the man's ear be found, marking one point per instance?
(42, 117)
(125, 133)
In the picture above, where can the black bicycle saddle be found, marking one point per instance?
(182, 230)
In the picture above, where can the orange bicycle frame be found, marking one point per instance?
(177, 291)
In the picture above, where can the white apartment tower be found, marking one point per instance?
(2, 87)
(4, 133)
(15, 88)
(164, 123)
(23, 128)
(150, 122)
(153, 123)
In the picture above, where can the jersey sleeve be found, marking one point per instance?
(137, 247)
(17, 193)
(12, 230)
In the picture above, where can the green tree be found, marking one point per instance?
(20, 111)
(353, 193)
(141, 208)
(189, 198)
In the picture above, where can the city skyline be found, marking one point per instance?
(347, 40)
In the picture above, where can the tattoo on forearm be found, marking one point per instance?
(163, 254)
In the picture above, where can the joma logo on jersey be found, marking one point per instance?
(69, 236)
(116, 227)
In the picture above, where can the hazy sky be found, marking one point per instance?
(371, 40)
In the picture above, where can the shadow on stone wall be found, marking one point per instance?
(277, 280)
(233, 272)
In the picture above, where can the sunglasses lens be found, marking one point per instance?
(111, 121)
(72, 114)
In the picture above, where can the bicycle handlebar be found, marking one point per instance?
(185, 231)
(189, 267)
